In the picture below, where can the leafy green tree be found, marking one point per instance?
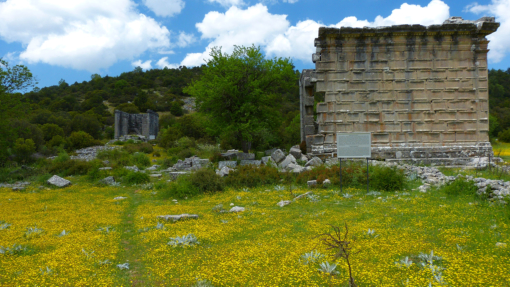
(24, 148)
(128, 108)
(51, 130)
(240, 92)
(80, 139)
(17, 78)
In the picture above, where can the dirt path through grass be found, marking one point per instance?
(131, 251)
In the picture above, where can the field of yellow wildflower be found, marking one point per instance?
(111, 242)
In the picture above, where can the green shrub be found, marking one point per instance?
(185, 153)
(51, 130)
(24, 148)
(252, 176)
(206, 180)
(136, 178)
(383, 178)
(117, 157)
(460, 186)
(118, 143)
(156, 154)
(216, 157)
(504, 136)
(56, 141)
(70, 167)
(80, 139)
(62, 156)
(180, 188)
(140, 159)
(141, 147)
(94, 174)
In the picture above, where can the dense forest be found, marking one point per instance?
(76, 115)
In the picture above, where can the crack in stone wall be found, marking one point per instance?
(411, 86)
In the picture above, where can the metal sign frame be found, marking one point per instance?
(359, 143)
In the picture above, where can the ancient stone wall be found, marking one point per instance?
(421, 91)
(140, 124)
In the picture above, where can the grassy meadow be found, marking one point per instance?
(263, 246)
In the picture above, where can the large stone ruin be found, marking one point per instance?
(421, 91)
(140, 124)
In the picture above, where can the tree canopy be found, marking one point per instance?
(242, 92)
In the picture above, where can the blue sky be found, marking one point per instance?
(70, 40)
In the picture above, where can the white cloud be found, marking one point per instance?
(228, 3)
(185, 39)
(499, 44)
(163, 62)
(165, 8)
(255, 25)
(80, 34)
(145, 65)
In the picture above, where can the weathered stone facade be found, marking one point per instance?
(421, 91)
(140, 124)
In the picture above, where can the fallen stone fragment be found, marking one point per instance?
(229, 163)
(501, 245)
(108, 180)
(120, 198)
(268, 160)
(295, 151)
(245, 156)
(156, 175)
(283, 203)
(236, 209)
(224, 171)
(133, 168)
(105, 168)
(175, 218)
(326, 182)
(278, 156)
(58, 181)
(290, 159)
(154, 167)
(315, 161)
(302, 195)
(312, 183)
(250, 161)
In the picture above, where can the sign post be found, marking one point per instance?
(353, 145)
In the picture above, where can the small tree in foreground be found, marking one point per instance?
(342, 247)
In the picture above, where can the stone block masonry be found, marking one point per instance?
(140, 124)
(421, 91)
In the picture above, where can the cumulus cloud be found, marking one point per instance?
(228, 3)
(80, 34)
(144, 65)
(499, 44)
(163, 62)
(165, 8)
(255, 25)
(185, 39)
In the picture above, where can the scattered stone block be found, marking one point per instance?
(105, 168)
(224, 171)
(175, 174)
(311, 183)
(315, 161)
(250, 161)
(132, 168)
(501, 245)
(268, 160)
(245, 156)
(269, 152)
(236, 209)
(326, 182)
(288, 160)
(58, 181)
(278, 156)
(302, 195)
(295, 151)
(154, 167)
(283, 203)
(107, 180)
(120, 198)
(175, 218)
(231, 164)
(156, 175)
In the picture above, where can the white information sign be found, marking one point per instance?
(354, 145)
